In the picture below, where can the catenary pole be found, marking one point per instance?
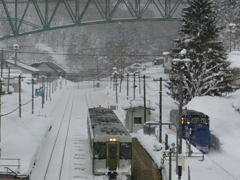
(32, 95)
(144, 98)
(160, 110)
(127, 84)
(134, 86)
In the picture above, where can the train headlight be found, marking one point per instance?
(112, 139)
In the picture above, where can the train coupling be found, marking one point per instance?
(112, 173)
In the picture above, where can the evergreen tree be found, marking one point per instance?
(206, 73)
(228, 12)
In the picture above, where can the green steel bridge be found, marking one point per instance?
(16, 16)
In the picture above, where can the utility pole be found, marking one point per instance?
(97, 70)
(144, 99)
(32, 95)
(170, 164)
(42, 90)
(47, 89)
(180, 111)
(1, 81)
(20, 106)
(2, 63)
(180, 97)
(139, 83)
(121, 79)
(20, 101)
(52, 84)
(8, 77)
(134, 86)
(160, 110)
(116, 88)
(127, 84)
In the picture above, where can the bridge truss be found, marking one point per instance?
(23, 17)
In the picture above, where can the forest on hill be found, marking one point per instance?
(104, 46)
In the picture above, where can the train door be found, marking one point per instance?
(112, 155)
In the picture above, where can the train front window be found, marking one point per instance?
(203, 120)
(126, 150)
(185, 120)
(195, 120)
(99, 150)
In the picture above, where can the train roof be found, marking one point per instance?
(188, 112)
(105, 122)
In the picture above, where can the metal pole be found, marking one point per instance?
(134, 86)
(20, 108)
(139, 83)
(116, 89)
(42, 92)
(160, 110)
(189, 177)
(190, 134)
(2, 63)
(144, 98)
(47, 90)
(170, 165)
(15, 63)
(97, 70)
(49, 87)
(32, 95)
(0, 115)
(52, 85)
(120, 87)
(127, 84)
(8, 77)
(180, 111)
(166, 142)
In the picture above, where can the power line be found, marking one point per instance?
(84, 55)
(110, 45)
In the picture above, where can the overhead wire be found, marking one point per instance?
(16, 108)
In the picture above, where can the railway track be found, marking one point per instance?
(89, 100)
(61, 139)
(64, 154)
(231, 175)
(69, 154)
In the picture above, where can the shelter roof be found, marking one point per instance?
(30, 68)
(52, 65)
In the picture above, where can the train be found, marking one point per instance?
(110, 144)
(195, 127)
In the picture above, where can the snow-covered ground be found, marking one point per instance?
(22, 137)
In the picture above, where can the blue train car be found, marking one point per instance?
(195, 127)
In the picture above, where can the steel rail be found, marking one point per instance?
(56, 139)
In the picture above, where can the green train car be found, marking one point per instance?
(110, 144)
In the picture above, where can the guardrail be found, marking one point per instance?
(7, 163)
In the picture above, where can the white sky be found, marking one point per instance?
(22, 137)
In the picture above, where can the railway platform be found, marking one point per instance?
(143, 165)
